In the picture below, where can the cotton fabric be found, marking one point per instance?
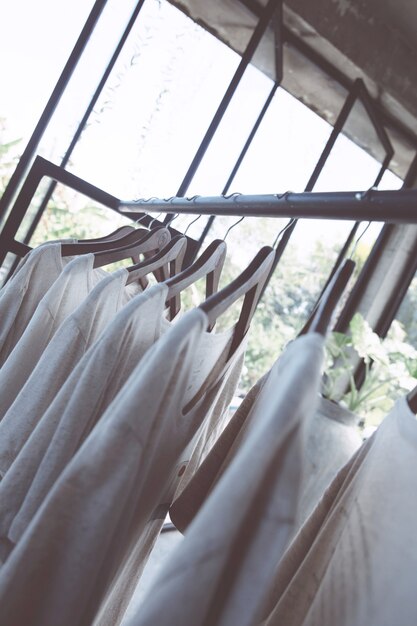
(99, 506)
(332, 439)
(69, 290)
(83, 398)
(70, 342)
(23, 292)
(220, 572)
(212, 412)
(354, 561)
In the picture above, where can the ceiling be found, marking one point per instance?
(375, 40)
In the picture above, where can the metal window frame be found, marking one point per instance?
(377, 117)
(29, 153)
(393, 206)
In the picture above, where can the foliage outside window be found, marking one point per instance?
(390, 369)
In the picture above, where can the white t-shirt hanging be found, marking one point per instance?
(54, 439)
(220, 571)
(23, 292)
(332, 439)
(69, 290)
(70, 342)
(213, 409)
(103, 500)
(354, 561)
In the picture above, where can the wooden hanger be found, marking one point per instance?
(164, 264)
(321, 317)
(81, 247)
(209, 265)
(411, 398)
(113, 236)
(153, 241)
(249, 284)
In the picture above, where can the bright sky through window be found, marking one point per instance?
(157, 105)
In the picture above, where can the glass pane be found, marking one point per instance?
(157, 105)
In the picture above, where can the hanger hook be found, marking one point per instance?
(154, 220)
(232, 226)
(282, 231)
(143, 201)
(138, 221)
(363, 195)
(191, 223)
(171, 220)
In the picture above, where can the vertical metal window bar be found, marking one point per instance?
(278, 77)
(218, 116)
(85, 118)
(30, 150)
(357, 90)
(360, 92)
(377, 251)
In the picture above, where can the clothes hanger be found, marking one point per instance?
(113, 236)
(209, 265)
(153, 241)
(248, 284)
(74, 249)
(411, 398)
(342, 264)
(166, 263)
(321, 317)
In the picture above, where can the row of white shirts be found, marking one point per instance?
(97, 443)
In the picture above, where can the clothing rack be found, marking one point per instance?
(394, 207)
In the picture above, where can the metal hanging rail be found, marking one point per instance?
(30, 150)
(395, 207)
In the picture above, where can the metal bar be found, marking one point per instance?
(337, 129)
(30, 150)
(397, 296)
(396, 207)
(372, 112)
(40, 168)
(371, 262)
(359, 91)
(279, 62)
(85, 117)
(240, 159)
(361, 282)
(218, 116)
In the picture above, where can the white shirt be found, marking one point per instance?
(220, 571)
(100, 505)
(354, 561)
(332, 439)
(70, 342)
(68, 291)
(84, 396)
(22, 293)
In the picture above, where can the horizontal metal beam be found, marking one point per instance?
(396, 207)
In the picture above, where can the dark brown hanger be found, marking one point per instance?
(209, 264)
(412, 399)
(153, 241)
(164, 264)
(120, 232)
(81, 247)
(322, 315)
(249, 284)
